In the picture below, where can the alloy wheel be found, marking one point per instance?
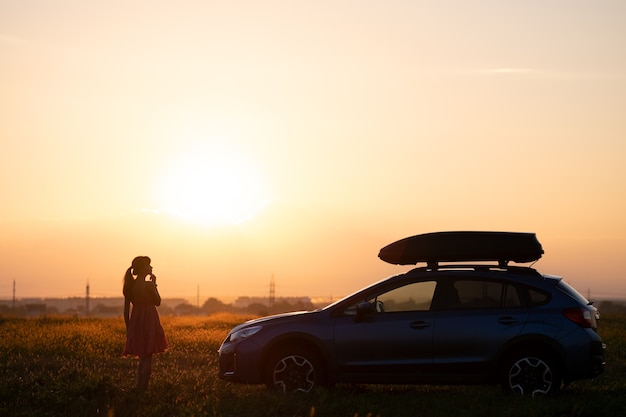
(530, 376)
(294, 373)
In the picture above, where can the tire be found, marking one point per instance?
(294, 369)
(531, 374)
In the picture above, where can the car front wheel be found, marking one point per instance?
(294, 370)
(532, 375)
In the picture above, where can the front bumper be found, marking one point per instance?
(240, 363)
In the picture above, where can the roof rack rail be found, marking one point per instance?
(434, 265)
(516, 269)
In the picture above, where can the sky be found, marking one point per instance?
(238, 141)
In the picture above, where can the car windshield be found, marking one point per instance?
(331, 305)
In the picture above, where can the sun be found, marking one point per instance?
(211, 188)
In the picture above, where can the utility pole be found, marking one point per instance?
(272, 291)
(14, 294)
(87, 300)
(198, 297)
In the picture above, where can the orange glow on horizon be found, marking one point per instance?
(296, 139)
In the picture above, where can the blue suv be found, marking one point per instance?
(466, 317)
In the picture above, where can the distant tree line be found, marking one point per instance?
(213, 305)
(611, 307)
(210, 306)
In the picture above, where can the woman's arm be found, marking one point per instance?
(156, 297)
(126, 311)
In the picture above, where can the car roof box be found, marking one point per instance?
(464, 246)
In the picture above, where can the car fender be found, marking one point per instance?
(530, 342)
(296, 339)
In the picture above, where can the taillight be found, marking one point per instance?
(580, 316)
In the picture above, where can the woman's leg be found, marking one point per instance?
(143, 371)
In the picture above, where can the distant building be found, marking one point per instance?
(35, 310)
(244, 302)
(100, 306)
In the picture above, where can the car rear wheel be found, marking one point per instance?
(294, 370)
(532, 375)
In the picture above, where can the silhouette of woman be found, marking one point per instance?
(144, 333)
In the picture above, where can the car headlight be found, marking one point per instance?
(244, 333)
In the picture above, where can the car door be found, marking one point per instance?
(469, 331)
(389, 341)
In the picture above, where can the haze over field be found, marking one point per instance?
(235, 140)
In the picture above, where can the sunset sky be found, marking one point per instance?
(233, 141)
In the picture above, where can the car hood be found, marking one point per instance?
(273, 318)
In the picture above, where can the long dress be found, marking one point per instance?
(144, 335)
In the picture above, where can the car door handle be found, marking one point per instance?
(507, 321)
(419, 325)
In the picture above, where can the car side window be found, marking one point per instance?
(537, 297)
(417, 296)
(512, 296)
(469, 294)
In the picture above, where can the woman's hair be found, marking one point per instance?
(129, 280)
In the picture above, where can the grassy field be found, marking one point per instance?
(56, 366)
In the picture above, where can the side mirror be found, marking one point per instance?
(364, 309)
